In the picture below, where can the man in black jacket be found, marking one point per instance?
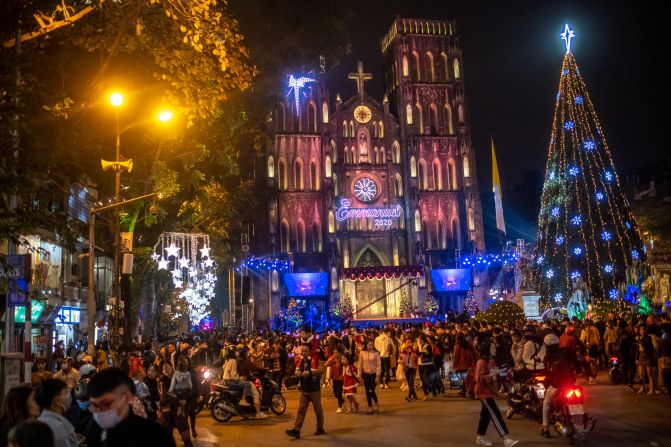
(111, 392)
(309, 370)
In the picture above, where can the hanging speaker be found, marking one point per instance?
(127, 267)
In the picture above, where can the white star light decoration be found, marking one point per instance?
(172, 250)
(193, 275)
(567, 35)
(295, 85)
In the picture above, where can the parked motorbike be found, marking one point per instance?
(526, 397)
(615, 371)
(225, 400)
(569, 417)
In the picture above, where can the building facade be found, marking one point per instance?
(374, 193)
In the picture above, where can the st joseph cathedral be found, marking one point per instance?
(369, 197)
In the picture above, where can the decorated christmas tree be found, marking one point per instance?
(344, 308)
(585, 228)
(405, 306)
(293, 313)
(471, 305)
(430, 305)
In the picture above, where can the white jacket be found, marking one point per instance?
(533, 354)
(383, 345)
(64, 432)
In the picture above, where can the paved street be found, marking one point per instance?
(624, 419)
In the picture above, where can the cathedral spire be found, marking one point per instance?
(360, 77)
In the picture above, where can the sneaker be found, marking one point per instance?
(294, 433)
(481, 440)
(510, 442)
(349, 411)
(657, 392)
(591, 381)
(426, 398)
(641, 390)
(339, 410)
(629, 388)
(262, 416)
(320, 431)
(545, 432)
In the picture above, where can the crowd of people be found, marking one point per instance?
(154, 387)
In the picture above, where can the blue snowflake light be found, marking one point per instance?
(628, 225)
(558, 297)
(578, 100)
(589, 145)
(540, 259)
(295, 86)
(549, 273)
(565, 72)
(608, 176)
(559, 240)
(576, 220)
(568, 125)
(555, 211)
(608, 268)
(575, 275)
(634, 254)
(577, 251)
(606, 236)
(599, 196)
(613, 294)
(552, 175)
(573, 170)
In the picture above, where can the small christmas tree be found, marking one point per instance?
(471, 305)
(293, 313)
(344, 308)
(405, 307)
(430, 305)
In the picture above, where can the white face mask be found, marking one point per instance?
(109, 418)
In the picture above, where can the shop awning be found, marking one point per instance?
(382, 272)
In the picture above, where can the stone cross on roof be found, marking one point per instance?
(360, 77)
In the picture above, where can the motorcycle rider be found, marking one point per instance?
(533, 353)
(558, 374)
(233, 380)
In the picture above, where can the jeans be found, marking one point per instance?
(490, 412)
(305, 398)
(410, 377)
(386, 370)
(628, 371)
(428, 385)
(337, 392)
(369, 384)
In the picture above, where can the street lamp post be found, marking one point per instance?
(91, 301)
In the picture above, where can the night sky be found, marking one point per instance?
(512, 55)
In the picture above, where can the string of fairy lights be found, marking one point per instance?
(586, 232)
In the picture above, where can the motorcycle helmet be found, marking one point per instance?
(551, 339)
(81, 390)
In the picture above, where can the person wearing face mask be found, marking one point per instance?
(53, 398)
(111, 392)
(81, 418)
(68, 374)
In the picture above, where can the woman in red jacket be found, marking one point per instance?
(337, 378)
(409, 360)
(486, 389)
(463, 359)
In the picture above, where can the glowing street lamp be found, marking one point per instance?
(165, 115)
(116, 99)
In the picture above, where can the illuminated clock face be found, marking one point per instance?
(365, 189)
(362, 114)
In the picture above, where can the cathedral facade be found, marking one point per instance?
(368, 196)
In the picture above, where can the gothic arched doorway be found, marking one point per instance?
(370, 301)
